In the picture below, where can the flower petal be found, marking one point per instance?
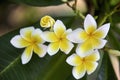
(74, 60)
(91, 67)
(84, 49)
(49, 36)
(53, 48)
(77, 36)
(66, 46)
(26, 33)
(102, 31)
(98, 44)
(79, 71)
(66, 33)
(59, 28)
(36, 36)
(19, 42)
(27, 54)
(90, 24)
(95, 56)
(40, 50)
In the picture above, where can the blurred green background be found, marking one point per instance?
(13, 15)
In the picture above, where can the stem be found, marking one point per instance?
(74, 8)
(116, 9)
(75, 5)
(105, 17)
(81, 15)
(69, 5)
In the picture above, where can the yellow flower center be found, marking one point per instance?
(33, 42)
(83, 60)
(90, 32)
(90, 35)
(60, 39)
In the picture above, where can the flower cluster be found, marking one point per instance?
(89, 41)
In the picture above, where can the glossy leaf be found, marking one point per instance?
(106, 71)
(47, 68)
(39, 2)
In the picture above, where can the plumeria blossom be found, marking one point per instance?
(47, 21)
(57, 39)
(81, 65)
(31, 40)
(91, 38)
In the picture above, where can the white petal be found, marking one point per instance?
(40, 50)
(74, 60)
(100, 44)
(68, 31)
(90, 23)
(18, 42)
(91, 67)
(27, 54)
(95, 56)
(66, 46)
(36, 35)
(49, 36)
(84, 50)
(53, 48)
(77, 36)
(59, 28)
(102, 31)
(79, 71)
(26, 33)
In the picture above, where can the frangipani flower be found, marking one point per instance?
(90, 38)
(47, 21)
(58, 39)
(31, 40)
(83, 64)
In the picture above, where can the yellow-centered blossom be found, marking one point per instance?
(91, 38)
(81, 65)
(31, 40)
(47, 21)
(57, 39)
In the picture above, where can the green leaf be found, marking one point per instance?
(106, 71)
(38, 2)
(114, 2)
(47, 68)
(113, 41)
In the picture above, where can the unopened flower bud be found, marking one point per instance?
(47, 21)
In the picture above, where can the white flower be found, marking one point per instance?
(81, 65)
(58, 39)
(31, 40)
(91, 38)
